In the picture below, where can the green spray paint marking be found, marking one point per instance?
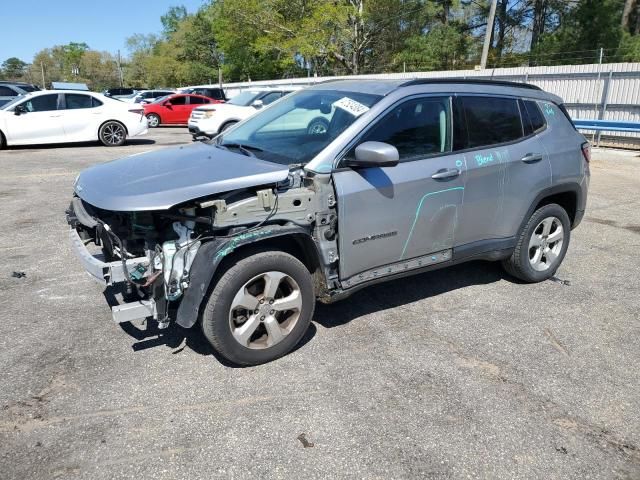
(415, 220)
(240, 238)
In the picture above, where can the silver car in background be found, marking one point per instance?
(244, 233)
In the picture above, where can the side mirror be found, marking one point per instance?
(167, 104)
(19, 110)
(257, 104)
(374, 154)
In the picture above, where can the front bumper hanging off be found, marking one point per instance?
(111, 273)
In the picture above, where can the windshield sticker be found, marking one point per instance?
(349, 105)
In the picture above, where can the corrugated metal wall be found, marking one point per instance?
(607, 92)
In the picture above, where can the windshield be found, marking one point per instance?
(29, 88)
(296, 128)
(244, 99)
(161, 99)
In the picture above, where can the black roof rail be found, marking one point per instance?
(470, 81)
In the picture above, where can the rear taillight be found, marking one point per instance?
(138, 111)
(586, 151)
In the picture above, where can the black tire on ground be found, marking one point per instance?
(153, 120)
(521, 263)
(216, 317)
(226, 126)
(112, 134)
(3, 142)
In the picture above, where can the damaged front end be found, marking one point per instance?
(149, 253)
(167, 257)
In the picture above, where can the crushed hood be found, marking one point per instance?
(160, 179)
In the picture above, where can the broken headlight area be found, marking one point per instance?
(151, 252)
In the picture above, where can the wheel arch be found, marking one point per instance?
(227, 122)
(214, 257)
(567, 195)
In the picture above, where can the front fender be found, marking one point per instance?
(208, 259)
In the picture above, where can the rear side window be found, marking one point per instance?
(417, 128)
(7, 92)
(535, 115)
(491, 120)
(75, 101)
(197, 100)
(215, 93)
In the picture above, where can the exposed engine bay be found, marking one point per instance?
(156, 250)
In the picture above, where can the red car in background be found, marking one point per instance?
(174, 109)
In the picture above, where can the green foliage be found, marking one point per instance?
(590, 25)
(172, 19)
(12, 69)
(442, 48)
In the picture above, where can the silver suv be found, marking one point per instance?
(243, 233)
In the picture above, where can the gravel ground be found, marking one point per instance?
(459, 373)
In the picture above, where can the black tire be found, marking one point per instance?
(216, 317)
(153, 120)
(227, 126)
(521, 263)
(112, 134)
(318, 126)
(3, 142)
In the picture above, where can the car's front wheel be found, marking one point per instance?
(260, 308)
(541, 246)
(112, 134)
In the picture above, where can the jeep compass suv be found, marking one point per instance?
(244, 233)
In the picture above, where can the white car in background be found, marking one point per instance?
(210, 120)
(65, 116)
(147, 96)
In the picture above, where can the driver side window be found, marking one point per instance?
(41, 103)
(417, 128)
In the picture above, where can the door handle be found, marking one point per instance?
(448, 173)
(532, 157)
(55, 116)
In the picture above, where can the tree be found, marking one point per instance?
(13, 68)
(172, 19)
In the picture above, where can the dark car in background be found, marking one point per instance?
(119, 92)
(10, 90)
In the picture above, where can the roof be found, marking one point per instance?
(469, 85)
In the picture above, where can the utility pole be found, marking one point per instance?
(487, 37)
(120, 69)
(44, 86)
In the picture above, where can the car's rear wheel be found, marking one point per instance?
(112, 134)
(153, 120)
(260, 308)
(541, 246)
(227, 126)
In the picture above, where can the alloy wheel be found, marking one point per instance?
(265, 310)
(545, 244)
(113, 133)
